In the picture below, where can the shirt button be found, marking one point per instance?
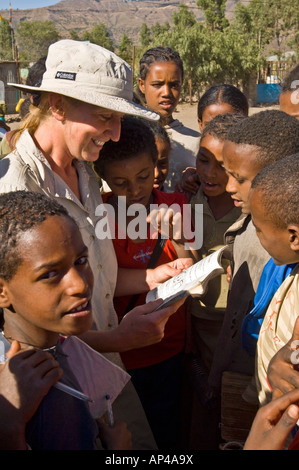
(107, 296)
(91, 237)
(99, 267)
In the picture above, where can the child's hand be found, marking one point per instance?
(282, 371)
(168, 223)
(25, 379)
(116, 437)
(155, 277)
(273, 423)
(189, 181)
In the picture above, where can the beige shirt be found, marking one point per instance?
(276, 330)
(214, 301)
(184, 148)
(27, 169)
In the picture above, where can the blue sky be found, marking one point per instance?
(25, 4)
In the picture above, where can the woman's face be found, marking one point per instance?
(162, 87)
(86, 128)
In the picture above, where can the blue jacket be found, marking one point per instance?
(272, 277)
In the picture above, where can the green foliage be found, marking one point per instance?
(145, 35)
(99, 35)
(6, 40)
(34, 38)
(125, 49)
(214, 12)
(219, 51)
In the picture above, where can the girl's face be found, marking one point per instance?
(212, 111)
(51, 290)
(132, 178)
(162, 87)
(162, 165)
(87, 128)
(209, 165)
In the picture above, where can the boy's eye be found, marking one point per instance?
(82, 260)
(48, 275)
(144, 177)
(120, 184)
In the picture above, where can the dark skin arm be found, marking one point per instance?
(25, 379)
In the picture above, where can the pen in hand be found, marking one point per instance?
(72, 391)
(109, 411)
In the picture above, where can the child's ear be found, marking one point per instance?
(141, 85)
(199, 124)
(294, 237)
(5, 301)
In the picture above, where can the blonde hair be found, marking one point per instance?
(33, 119)
(39, 114)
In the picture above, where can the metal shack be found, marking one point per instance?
(9, 74)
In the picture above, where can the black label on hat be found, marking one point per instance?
(66, 76)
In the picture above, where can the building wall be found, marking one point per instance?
(8, 74)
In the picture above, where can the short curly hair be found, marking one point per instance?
(136, 138)
(278, 184)
(21, 211)
(220, 125)
(274, 133)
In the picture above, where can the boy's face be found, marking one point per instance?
(209, 166)
(277, 241)
(51, 290)
(162, 165)
(241, 167)
(132, 178)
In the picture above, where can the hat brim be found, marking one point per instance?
(113, 103)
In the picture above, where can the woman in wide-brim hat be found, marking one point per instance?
(83, 95)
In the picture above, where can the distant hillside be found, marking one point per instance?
(119, 16)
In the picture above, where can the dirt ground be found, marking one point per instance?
(185, 112)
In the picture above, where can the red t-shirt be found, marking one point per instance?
(136, 256)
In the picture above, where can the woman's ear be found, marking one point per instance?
(57, 106)
(294, 237)
(5, 301)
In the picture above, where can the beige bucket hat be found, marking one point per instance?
(92, 74)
